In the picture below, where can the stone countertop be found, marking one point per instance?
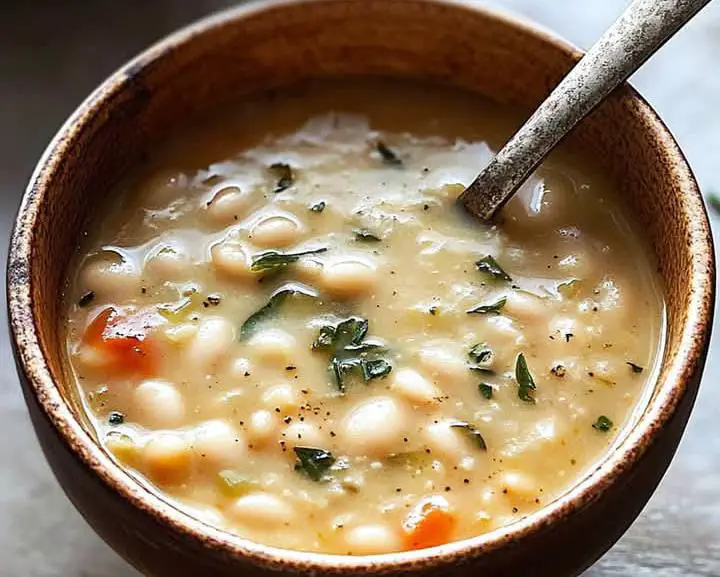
(53, 53)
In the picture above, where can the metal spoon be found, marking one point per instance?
(641, 30)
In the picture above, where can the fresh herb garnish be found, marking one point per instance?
(273, 259)
(635, 368)
(472, 433)
(284, 174)
(495, 307)
(603, 424)
(364, 235)
(387, 154)
(233, 484)
(325, 338)
(482, 356)
(272, 306)
(375, 369)
(490, 266)
(526, 384)
(318, 206)
(116, 418)
(486, 390)
(86, 299)
(313, 462)
(349, 351)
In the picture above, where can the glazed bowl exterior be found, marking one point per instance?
(267, 45)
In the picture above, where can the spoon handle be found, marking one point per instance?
(641, 30)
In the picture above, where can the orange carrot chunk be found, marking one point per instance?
(125, 341)
(430, 523)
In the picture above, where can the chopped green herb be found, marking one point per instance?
(490, 266)
(486, 390)
(635, 368)
(364, 235)
(325, 338)
(178, 310)
(350, 351)
(472, 433)
(713, 201)
(313, 462)
(318, 206)
(86, 299)
(351, 331)
(233, 484)
(116, 418)
(341, 369)
(284, 174)
(387, 154)
(272, 259)
(603, 424)
(526, 384)
(481, 354)
(375, 369)
(495, 307)
(272, 306)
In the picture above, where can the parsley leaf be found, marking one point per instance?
(387, 154)
(486, 390)
(272, 306)
(490, 266)
(317, 207)
(495, 307)
(603, 424)
(272, 259)
(349, 351)
(116, 418)
(284, 174)
(526, 384)
(313, 462)
(471, 433)
(481, 356)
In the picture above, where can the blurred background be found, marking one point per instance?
(54, 52)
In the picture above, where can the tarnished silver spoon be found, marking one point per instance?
(641, 30)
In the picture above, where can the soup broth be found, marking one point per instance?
(285, 324)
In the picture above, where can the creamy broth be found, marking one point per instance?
(284, 323)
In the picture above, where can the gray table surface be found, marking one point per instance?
(53, 52)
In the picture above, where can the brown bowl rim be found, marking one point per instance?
(617, 463)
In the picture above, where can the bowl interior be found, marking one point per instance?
(263, 47)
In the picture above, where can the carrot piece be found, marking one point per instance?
(430, 523)
(126, 341)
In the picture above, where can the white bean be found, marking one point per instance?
(272, 345)
(374, 426)
(262, 510)
(277, 230)
(213, 339)
(445, 440)
(158, 405)
(524, 306)
(282, 396)
(166, 458)
(262, 427)
(372, 539)
(349, 278)
(441, 361)
(168, 262)
(229, 204)
(518, 486)
(218, 444)
(110, 277)
(414, 387)
(232, 258)
(299, 434)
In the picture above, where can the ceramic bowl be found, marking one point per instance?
(266, 45)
